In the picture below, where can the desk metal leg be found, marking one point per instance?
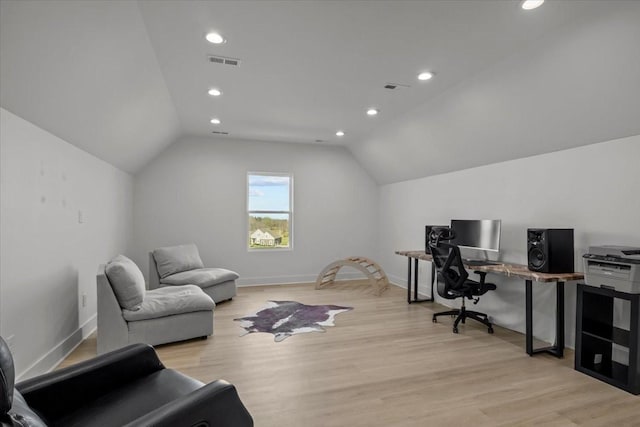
(415, 283)
(529, 317)
(409, 281)
(433, 279)
(557, 349)
(415, 278)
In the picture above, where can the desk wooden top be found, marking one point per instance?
(509, 270)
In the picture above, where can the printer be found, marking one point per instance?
(613, 267)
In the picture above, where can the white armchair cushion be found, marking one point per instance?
(169, 301)
(175, 259)
(203, 277)
(127, 282)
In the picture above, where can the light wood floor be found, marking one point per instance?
(386, 364)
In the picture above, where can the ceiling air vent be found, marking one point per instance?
(224, 61)
(393, 86)
(218, 132)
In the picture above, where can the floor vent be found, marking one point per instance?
(218, 132)
(224, 61)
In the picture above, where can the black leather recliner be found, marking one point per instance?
(126, 387)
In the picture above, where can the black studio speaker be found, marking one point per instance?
(427, 232)
(550, 250)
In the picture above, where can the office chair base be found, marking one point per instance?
(462, 315)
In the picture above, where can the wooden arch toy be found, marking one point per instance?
(375, 273)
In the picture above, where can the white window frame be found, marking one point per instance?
(289, 212)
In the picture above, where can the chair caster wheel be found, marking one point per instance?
(455, 330)
(434, 320)
(490, 330)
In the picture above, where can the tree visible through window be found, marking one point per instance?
(270, 207)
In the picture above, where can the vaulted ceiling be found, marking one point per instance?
(124, 79)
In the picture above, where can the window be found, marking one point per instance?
(269, 208)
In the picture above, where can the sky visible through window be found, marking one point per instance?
(268, 193)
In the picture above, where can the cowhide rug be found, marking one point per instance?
(286, 318)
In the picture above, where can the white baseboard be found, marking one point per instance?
(397, 281)
(284, 280)
(57, 354)
(402, 283)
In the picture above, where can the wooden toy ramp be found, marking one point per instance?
(375, 273)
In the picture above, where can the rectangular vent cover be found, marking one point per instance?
(217, 132)
(224, 61)
(393, 86)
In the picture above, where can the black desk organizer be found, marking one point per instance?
(596, 336)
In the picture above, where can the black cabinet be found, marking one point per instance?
(607, 332)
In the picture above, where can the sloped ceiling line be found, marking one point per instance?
(123, 80)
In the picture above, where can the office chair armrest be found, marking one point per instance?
(215, 404)
(60, 391)
(483, 275)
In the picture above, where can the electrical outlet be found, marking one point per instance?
(80, 217)
(84, 300)
(11, 342)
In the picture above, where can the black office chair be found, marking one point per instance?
(453, 279)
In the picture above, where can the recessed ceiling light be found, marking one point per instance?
(215, 92)
(215, 121)
(340, 133)
(531, 4)
(426, 75)
(215, 38)
(372, 111)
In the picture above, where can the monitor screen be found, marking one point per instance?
(483, 234)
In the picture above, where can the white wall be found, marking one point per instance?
(49, 259)
(195, 191)
(562, 91)
(594, 189)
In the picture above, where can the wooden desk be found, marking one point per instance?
(521, 272)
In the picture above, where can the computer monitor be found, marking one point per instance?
(481, 234)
